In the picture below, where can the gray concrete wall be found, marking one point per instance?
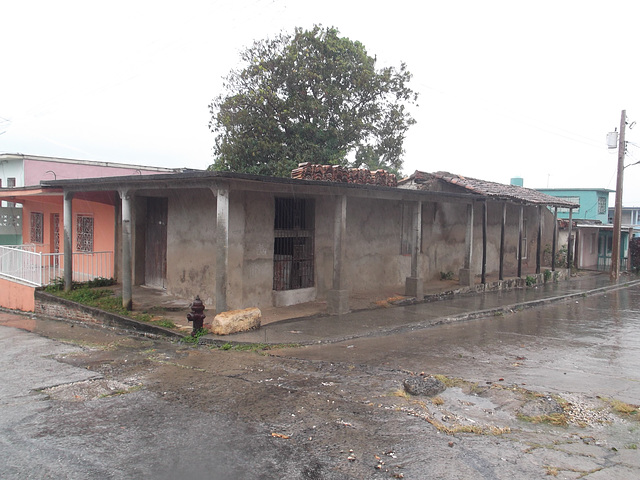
(252, 238)
(373, 240)
(191, 239)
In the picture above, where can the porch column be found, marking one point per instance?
(502, 231)
(414, 286)
(555, 239)
(127, 241)
(484, 242)
(539, 241)
(338, 296)
(520, 225)
(67, 214)
(569, 241)
(466, 273)
(222, 248)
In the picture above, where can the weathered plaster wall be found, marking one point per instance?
(443, 238)
(191, 240)
(373, 242)
(325, 214)
(253, 235)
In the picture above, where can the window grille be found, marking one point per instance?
(602, 205)
(55, 220)
(37, 227)
(84, 229)
(293, 263)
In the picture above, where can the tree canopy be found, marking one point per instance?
(310, 96)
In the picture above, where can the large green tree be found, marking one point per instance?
(310, 96)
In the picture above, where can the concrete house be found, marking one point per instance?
(241, 240)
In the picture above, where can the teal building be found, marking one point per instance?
(594, 202)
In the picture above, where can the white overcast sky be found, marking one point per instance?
(507, 88)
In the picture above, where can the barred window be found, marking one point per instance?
(37, 226)
(293, 265)
(602, 205)
(84, 231)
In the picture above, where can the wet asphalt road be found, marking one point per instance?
(590, 345)
(199, 414)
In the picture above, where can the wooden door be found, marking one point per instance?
(155, 270)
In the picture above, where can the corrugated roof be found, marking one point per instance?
(494, 189)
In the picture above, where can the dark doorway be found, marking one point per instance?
(155, 264)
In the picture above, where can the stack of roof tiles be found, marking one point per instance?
(336, 173)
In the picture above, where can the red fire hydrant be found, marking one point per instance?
(196, 315)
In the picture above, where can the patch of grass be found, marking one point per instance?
(164, 323)
(464, 385)
(446, 275)
(437, 400)
(252, 347)
(194, 339)
(557, 419)
(552, 471)
(401, 393)
(624, 409)
(631, 446)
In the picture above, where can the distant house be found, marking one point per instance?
(630, 218)
(592, 227)
(240, 240)
(594, 202)
(18, 171)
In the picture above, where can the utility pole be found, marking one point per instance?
(617, 217)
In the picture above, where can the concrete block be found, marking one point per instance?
(338, 302)
(235, 321)
(466, 277)
(414, 287)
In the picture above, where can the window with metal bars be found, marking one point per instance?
(84, 233)
(37, 227)
(293, 263)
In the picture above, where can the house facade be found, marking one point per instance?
(594, 202)
(630, 217)
(242, 241)
(18, 171)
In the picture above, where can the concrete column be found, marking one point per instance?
(222, 248)
(414, 285)
(67, 236)
(520, 227)
(338, 296)
(466, 273)
(554, 244)
(127, 242)
(569, 241)
(539, 241)
(484, 242)
(502, 233)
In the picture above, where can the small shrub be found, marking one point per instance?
(530, 280)
(446, 275)
(547, 275)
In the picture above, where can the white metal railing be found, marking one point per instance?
(40, 269)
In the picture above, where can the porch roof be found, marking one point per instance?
(489, 189)
(242, 181)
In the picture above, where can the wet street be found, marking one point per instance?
(576, 346)
(88, 403)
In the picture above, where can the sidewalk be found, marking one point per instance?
(384, 321)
